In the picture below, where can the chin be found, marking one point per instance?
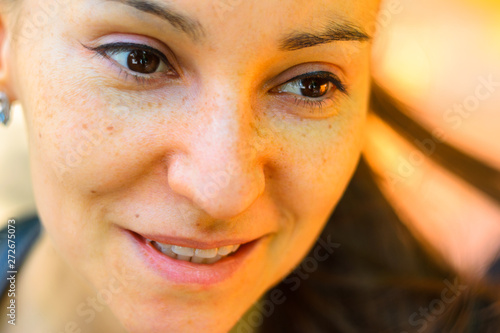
(205, 318)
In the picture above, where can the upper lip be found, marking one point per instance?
(194, 243)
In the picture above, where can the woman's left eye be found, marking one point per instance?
(313, 87)
(310, 87)
(141, 60)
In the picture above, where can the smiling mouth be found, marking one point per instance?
(198, 256)
(195, 261)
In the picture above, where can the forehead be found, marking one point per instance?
(211, 18)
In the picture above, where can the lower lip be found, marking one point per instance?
(185, 272)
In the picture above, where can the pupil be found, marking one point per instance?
(314, 87)
(143, 62)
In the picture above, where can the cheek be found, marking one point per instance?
(323, 175)
(100, 142)
(320, 160)
(315, 171)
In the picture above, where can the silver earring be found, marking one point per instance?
(4, 108)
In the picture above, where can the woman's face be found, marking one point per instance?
(200, 124)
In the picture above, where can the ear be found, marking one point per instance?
(6, 54)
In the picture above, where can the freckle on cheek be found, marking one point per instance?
(137, 215)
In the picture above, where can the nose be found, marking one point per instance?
(221, 168)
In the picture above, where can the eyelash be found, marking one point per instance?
(106, 50)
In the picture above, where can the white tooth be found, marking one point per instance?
(208, 253)
(225, 250)
(197, 260)
(165, 249)
(168, 251)
(185, 258)
(235, 247)
(212, 260)
(183, 251)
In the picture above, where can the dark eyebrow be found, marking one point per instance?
(181, 22)
(334, 32)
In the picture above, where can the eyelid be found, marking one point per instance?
(284, 74)
(126, 46)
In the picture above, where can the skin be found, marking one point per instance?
(109, 153)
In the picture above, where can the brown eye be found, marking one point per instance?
(314, 87)
(143, 62)
(138, 58)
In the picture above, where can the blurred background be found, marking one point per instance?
(16, 195)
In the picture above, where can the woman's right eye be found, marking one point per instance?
(141, 60)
